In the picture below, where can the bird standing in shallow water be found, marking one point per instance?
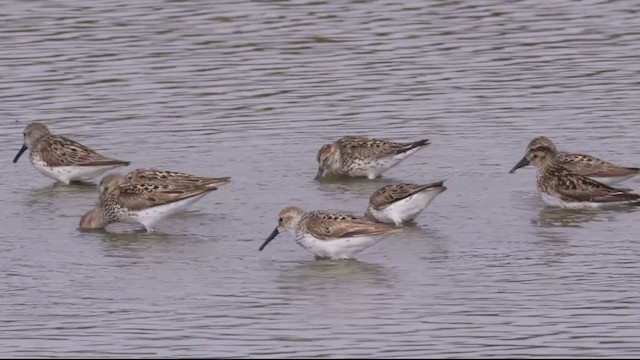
(146, 197)
(586, 165)
(359, 156)
(330, 235)
(63, 159)
(562, 187)
(401, 203)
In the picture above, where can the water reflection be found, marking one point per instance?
(323, 273)
(61, 200)
(550, 217)
(160, 81)
(433, 242)
(57, 188)
(559, 217)
(134, 243)
(361, 187)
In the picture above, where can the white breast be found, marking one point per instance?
(67, 174)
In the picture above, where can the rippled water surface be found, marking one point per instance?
(251, 90)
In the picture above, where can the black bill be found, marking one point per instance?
(522, 163)
(22, 150)
(271, 237)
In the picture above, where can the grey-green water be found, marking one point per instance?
(251, 90)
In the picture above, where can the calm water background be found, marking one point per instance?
(252, 89)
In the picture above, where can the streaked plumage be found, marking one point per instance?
(359, 156)
(63, 159)
(146, 197)
(587, 165)
(330, 235)
(401, 203)
(173, 177)
(562, 187)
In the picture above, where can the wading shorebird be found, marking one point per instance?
(587, 165)
(146, 196)
(401, 203)
(63, 159)
(359, 156)
(562, 187)
(330, 235)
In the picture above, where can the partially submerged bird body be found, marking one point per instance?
(61, 158)
(560, 186)
(358, 156)
(330, 235)
(402, 203)
(147, 196)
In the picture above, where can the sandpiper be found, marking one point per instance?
(587, 165)
(401, 203)
(330, 235)
(359, 156)
(63, 159)
(562, 187)
(146, 196)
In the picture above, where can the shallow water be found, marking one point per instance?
(251, 90)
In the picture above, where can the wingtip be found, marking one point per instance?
(414, 145)
(117, 161)
(106, 162)
(216, 182)
(439, 183)
(422, 142)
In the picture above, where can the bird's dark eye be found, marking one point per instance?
(280, 220)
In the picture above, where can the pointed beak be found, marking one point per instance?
(523, 162)
(319, 174)
(22, 150)
(271, 237)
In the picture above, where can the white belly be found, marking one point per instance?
(406, 209)
(384, 164)
(148, 217)
(339, 248)
(374, 168)
(67, 174)
(554, 201)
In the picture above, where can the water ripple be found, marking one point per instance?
(251, 90)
